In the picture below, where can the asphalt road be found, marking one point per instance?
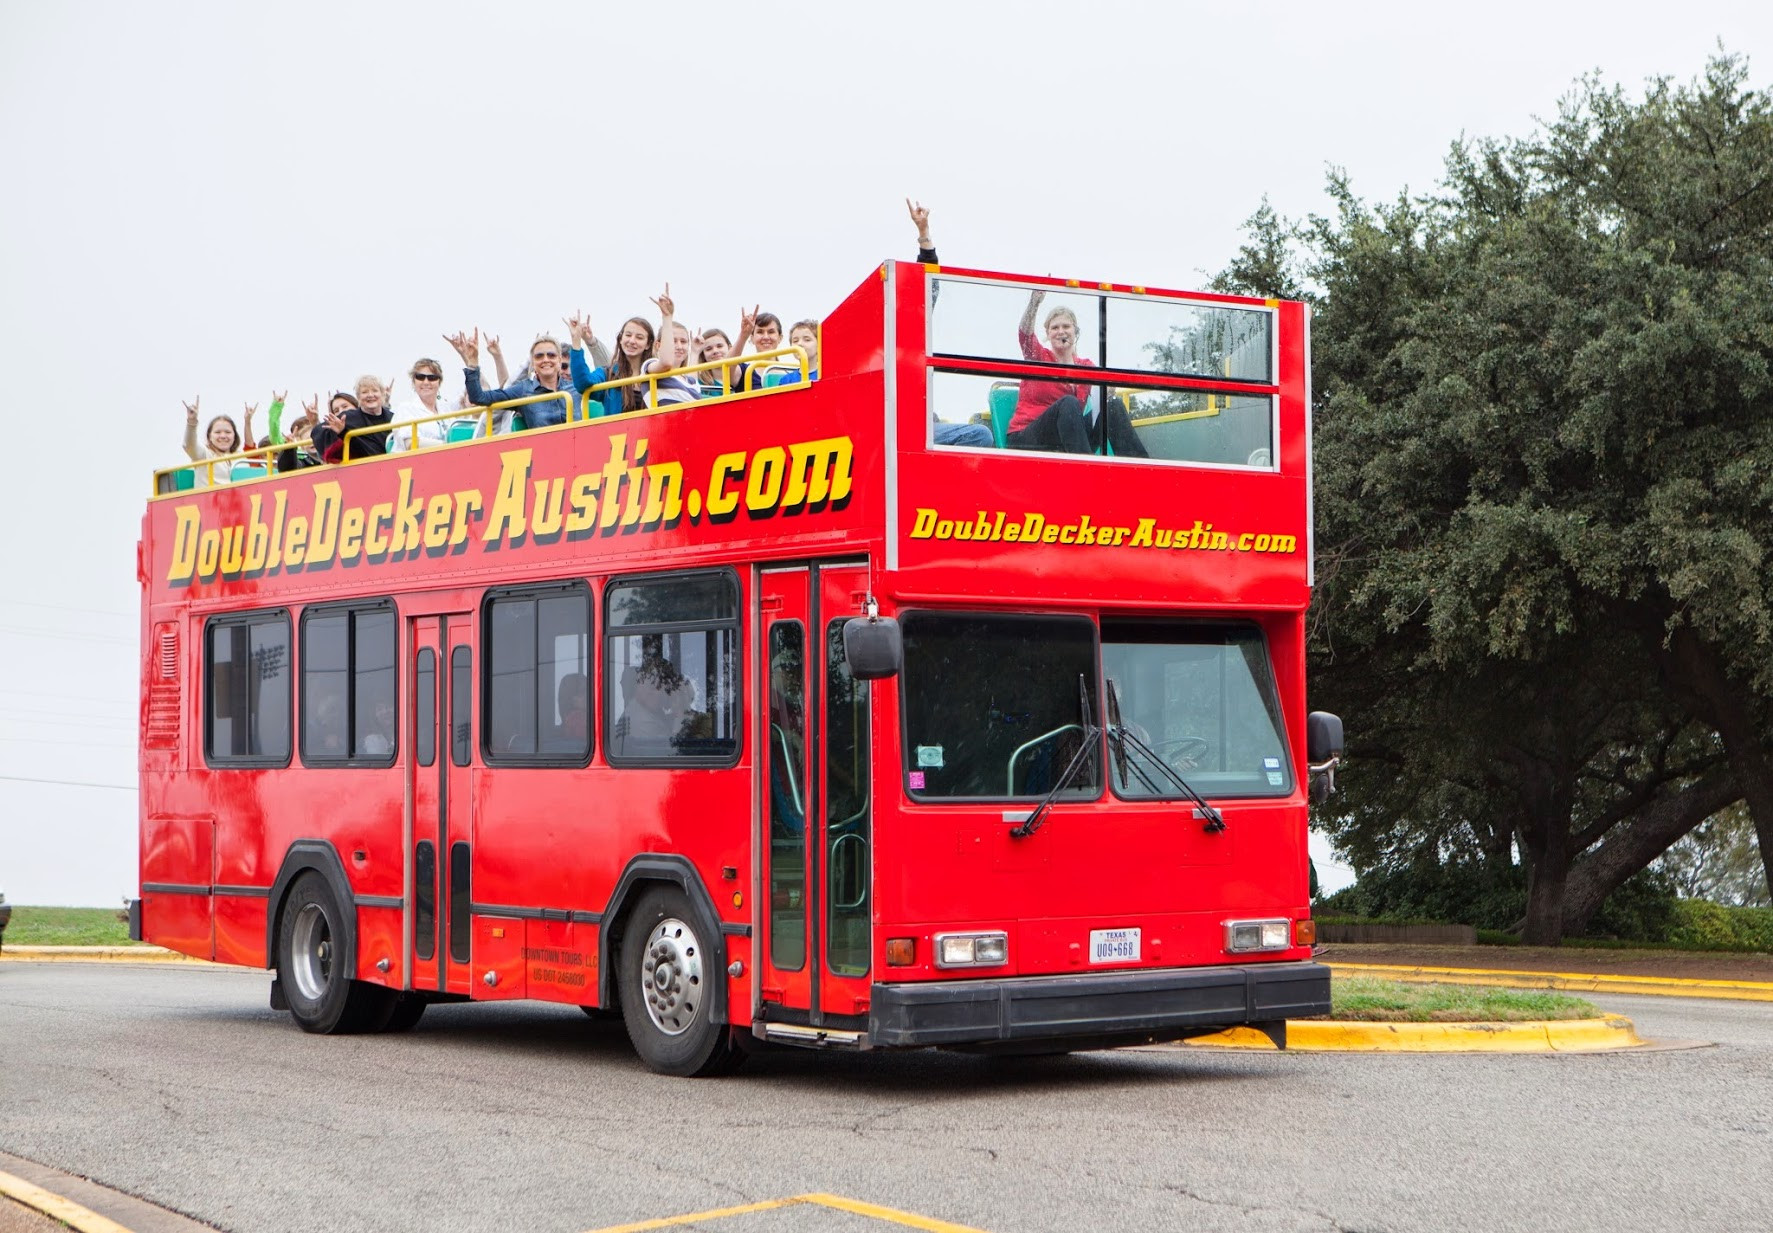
(179, 1085)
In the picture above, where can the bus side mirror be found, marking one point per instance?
(872, 647)
(1323, 736)
(1323, 752)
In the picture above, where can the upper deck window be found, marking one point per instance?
(1121, 332)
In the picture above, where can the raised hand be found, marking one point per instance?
(283, 397)
(492, 344)
(666, 306)
(467, 347)
(388, 391)
(311, 407)
(920, 214)
(748, 320)
(579, 328)
(191, 409)
(336, 422)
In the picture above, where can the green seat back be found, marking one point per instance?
(185, 479)
(247, 470)
(461, 430)
(773, 378)
(1003, 408)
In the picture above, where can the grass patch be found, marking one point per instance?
(68, 927)
(1371, 999)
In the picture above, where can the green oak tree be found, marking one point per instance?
(1545, 487)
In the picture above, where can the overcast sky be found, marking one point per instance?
(223, 199)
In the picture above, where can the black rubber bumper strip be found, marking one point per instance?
(1165, 1002)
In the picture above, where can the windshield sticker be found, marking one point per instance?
(1274, 777)
(1271, 764)
(930, 756)
(917, 781)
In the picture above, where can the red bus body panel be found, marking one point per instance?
(837, 470)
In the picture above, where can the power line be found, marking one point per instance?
(29, 603)
(71, 783)
(66, 637)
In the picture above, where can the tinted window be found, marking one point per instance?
(246, 675)
(994, 704)
(349, 712)
(425, 729)
(671, 677)
(538, 677)
(1196, 700)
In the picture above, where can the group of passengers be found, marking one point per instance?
(1049, 415)
(316, 438)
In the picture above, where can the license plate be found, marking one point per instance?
(1114, 946)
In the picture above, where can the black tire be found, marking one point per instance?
(409, 1008)
(670, 963)
(312, 939)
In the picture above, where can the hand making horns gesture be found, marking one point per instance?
(191, 409)
(579, 326)
(920, 214)
(492, 344)
(664, 303)
(467, 347)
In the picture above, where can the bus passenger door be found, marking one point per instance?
(816, 865)
(441, 708)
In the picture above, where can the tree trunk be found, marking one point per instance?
(1631, 847)
(1546, 844)
(1730, 707)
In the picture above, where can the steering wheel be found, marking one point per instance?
(1185, 753)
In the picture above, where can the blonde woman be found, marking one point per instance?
(1051, 415)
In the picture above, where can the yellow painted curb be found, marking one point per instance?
(1345, 1036)
(1581, 982)
(56, 1207)
(95, 954)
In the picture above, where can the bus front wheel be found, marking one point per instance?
(670, 963)
(310, 965)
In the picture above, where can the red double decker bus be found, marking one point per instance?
(768, 718)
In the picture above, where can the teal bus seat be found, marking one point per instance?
(184, 479)
(461, 430)
(774, 377)
(247, 470)
(1003, 407)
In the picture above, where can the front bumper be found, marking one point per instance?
(1161, 1004)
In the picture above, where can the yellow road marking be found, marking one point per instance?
(908, 1219)
(855, 1207)
(54, 1206)
(717, 1214)
(1581, 982)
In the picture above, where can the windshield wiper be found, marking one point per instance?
(1120, 736)
(1091, 738)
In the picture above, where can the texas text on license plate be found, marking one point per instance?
(1114, 946)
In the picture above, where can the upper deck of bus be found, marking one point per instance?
(1216, 518)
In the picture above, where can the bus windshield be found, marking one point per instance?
(992, 705)
(1200, 697)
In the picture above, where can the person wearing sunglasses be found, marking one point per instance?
(427, 383)
(546, 358)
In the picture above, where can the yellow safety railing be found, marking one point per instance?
(727, 393)
(484, 413)
(165, 484)
(165, 481)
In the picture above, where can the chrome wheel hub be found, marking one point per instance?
(671, 976)
(311, 953)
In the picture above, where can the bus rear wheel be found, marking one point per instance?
(669, 967)
(311, 945)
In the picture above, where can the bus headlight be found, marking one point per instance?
(972, 950)
(1249, 935)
